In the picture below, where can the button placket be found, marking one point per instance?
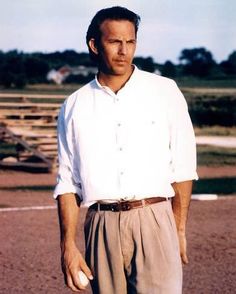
(119, 139)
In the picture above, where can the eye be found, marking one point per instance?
(131, 41)
(114, 41)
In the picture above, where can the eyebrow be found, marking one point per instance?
(119, 40)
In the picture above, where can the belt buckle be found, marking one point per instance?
(125, 205)
(122, 205)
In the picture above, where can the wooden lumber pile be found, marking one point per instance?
(29, 123)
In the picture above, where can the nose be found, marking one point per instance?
(123, 48)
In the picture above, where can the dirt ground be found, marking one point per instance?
(29, 240)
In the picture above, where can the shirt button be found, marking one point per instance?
(121, 173)
(119, 124)
(121, 149)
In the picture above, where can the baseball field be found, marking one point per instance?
(29, 247)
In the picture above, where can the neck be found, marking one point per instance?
(114, 82)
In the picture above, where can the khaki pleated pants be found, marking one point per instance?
(134, 251)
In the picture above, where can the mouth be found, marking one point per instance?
(120, 61)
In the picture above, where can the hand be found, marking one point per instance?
(183, 247)
(73, 262)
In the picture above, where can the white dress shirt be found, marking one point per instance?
(129, 145)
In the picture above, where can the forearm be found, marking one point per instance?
(68, 212)
(72, 260)
(180, 203)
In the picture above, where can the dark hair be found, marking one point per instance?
(113, 13)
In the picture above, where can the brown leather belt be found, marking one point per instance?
(126, 205)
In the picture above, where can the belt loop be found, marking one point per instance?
(98, 206)
(143, 202)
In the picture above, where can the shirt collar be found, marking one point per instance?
(130, 80)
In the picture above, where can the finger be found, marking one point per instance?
(86, 270)
(71, 285)
(77, 282)
(184, 258)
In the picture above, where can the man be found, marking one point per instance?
(126, 147)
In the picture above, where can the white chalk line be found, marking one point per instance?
(204, 197)
(27, 208)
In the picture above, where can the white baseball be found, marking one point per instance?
(83, 279)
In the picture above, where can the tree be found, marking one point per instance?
(229, 66)
(36, 69)
(2, 62)
(145, 63)
(197, 61)
(13, 70)
(168, 69)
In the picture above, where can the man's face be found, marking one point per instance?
(117, 46)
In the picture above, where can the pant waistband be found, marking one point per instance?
(126, 205)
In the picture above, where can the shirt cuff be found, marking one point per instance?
(183, 176)
(62, 188)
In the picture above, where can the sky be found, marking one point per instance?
(167, 26)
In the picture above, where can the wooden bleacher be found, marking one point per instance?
(29, 123)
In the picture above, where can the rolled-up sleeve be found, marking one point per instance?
(182, 141)
(66, 183)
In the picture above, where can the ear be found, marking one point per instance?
(93, 46)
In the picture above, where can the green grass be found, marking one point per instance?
(216, 156)
(7, 149)
(204, 83)
(215, 186)
(29, 188)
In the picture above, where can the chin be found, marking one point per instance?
(121, 70)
